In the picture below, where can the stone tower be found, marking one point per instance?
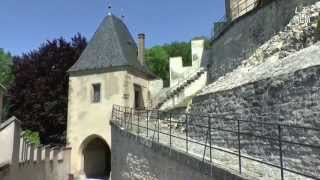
(108, 72)
(237, 8)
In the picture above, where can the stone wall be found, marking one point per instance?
(134, 157)
(184, 91)
(291, 99)
(238, 8)
(249, 32)
(21, 160)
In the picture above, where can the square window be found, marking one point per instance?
(96, 95)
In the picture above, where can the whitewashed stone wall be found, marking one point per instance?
(20, 160)
(178, 72)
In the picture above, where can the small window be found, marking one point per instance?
(96, 95)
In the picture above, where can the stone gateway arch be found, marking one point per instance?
(96, 158)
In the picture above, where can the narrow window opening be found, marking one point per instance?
(138, 97)
(96, 95)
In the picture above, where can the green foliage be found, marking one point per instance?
(182, 49)
(157, 58)
(38, 96)
(32, 137)
(6, 74)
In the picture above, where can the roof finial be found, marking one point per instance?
(109, 8)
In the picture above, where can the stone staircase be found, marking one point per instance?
(171, 92)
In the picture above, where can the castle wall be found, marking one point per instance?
(178, 72)
(246, 34)
(21, 160)
(291, 99)
(155, 87)
(137, 158)
(238, 8)
(188, 91)
(8, 131)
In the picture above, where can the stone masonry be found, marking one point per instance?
(278, 83)
(244, 37)
(290, 98)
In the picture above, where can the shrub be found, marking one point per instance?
(32, 137)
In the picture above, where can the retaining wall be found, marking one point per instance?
(291, 99)
(134, 157)
(249, 32)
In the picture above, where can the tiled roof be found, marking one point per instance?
(111, 46)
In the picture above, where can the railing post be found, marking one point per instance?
(125, 119)
(124, 116)
(138, 122)
(131, 118)
(147, 122)
(239, 147)
(170, 129)
(187, 135)
(280, 150)
(158, 126)
(210, 143)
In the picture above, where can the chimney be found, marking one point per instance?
(141, 47)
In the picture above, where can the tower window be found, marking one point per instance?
(96, 95)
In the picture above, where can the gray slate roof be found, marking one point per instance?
(111, 46)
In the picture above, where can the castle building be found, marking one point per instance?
(179, 72)
(237, 8)
(110, 71)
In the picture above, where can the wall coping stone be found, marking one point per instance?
(8, 122)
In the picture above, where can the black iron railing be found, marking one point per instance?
(279, 145)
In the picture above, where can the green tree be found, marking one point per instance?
(38, 96)
(157, 61)
(157, 58)
(6, 74)
(182, 49)
(32, 137)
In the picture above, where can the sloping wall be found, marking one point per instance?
(285, 92)
(134, 157)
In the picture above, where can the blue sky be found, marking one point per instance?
(25, 24)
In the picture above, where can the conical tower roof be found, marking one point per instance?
(111, 46)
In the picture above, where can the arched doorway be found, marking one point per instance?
(96, 159)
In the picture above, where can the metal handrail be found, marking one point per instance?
(120, 117)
